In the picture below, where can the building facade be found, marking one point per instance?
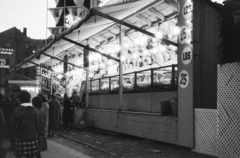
(15, 46)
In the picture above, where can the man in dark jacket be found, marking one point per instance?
(54, 115)
(25, 123)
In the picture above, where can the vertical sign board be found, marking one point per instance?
(185, 74)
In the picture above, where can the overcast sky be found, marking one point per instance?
(30, 14)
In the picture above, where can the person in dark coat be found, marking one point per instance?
(45, 108)
(42, 128)
(7, 110)
(3, 105)
(67, 111)
(14, 103)
(25, 123)
(54, 115)
(3, 127)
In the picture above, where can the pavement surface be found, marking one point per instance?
(55, 150)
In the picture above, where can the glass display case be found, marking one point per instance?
(155, 79)
(104, 85)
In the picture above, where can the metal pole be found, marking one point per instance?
(66, 83)
(46, 21)
(64, 15)
(66, 77)
(120, 70)
(51, 88)
(87, 88)
(39, 78)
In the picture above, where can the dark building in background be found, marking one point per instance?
(15, 46)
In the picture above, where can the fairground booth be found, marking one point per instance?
(141, 67)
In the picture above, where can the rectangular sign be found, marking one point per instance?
(8, 51)
(46, 84)
(185, 74)
(45, 73)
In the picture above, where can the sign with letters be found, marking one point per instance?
(8, 51)
(185, 76)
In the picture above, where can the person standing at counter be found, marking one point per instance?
(67, 111)
(54, 115)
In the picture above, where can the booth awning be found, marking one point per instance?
(21, 83)
(92, 24)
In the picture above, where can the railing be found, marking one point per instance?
(155, 79)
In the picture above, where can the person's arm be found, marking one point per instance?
(3, 126)
(36, 119)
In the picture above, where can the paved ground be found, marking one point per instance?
(55, 150)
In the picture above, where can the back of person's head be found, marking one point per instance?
(65, 96)
(24, 97)
(37, 102)
(1, 96)
(7, 99)
(44, 99)
(53, 96)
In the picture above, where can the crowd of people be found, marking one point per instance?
(28, 122)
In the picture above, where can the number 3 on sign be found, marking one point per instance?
(183, 79)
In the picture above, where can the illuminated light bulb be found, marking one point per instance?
(188, 41)
(96, 56)
(155, 50)
(176, 30)
(170, 36)
(78, 62)
(108, 51)
(154, 40)
(144, 40)
(96, 66)
(135, 56)
(145, 53)
(110, 62)
(162, 48)
(126, 45)
(123, 58)
(102, 65)
(91, 57)
(159, 35)
(137, 41)
(117, 48)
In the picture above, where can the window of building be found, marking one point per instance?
(7, 44)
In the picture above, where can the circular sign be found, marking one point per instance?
(187, 10)
(2, 62)
(184, 35)
(183, 79)
(186, 55)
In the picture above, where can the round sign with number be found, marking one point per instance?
(186, 55)
(2, 62)
(187, 10)
(184, 35)
(183, 79)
